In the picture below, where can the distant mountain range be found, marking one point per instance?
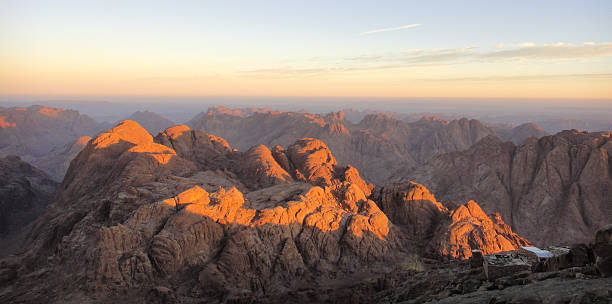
(378, 144)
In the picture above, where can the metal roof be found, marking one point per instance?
(538, 252)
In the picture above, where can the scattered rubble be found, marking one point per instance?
(504, 264)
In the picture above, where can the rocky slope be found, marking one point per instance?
(152, 122)
(39, 134)
(376, 145)
(555, 190)
(25, 193)
(518, 134)
(56, 162)
(184, 217)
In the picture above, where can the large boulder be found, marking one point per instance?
(602, 248)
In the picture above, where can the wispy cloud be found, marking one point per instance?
(547, 77)
(530, 51)
(389, 29)
(515, 52)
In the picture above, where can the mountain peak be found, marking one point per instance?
(127, 130)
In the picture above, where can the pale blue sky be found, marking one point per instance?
(200, 39)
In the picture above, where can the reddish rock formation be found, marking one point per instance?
(186, 213)
(555, 190)
(435, 229)
(470, 227)
(260, 166)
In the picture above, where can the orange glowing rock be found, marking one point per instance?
(176, 131)
(470, 228)
(159, 152)
(6, 124)
(83, 140)
(316, 208)
(127, 130)
(52, 112)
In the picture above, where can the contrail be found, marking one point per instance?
(391, 29)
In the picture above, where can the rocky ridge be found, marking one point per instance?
(555, 190)
(377, 145)
(518, 134)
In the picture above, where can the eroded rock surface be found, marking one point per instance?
(184, 216)
(435, 229)
(25, 192)
(554, 191)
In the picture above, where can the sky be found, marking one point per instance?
(401, 49)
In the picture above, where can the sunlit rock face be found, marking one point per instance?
(469, 227)
(434, 229)
(187, 211)
(46, 137)
(555, 190)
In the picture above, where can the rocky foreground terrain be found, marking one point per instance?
(183, 217)
(377, 145)
(555, 190)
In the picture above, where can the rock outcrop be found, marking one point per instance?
(553, 191)
(435, 229)
(602, 247)
(184, 216)
(469, 227)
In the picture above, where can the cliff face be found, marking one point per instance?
(43, 135)
(435, 229)
(377, 145)
(185, 212)
(555, 190)
(25, 193)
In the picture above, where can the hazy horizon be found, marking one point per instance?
(182, 109)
